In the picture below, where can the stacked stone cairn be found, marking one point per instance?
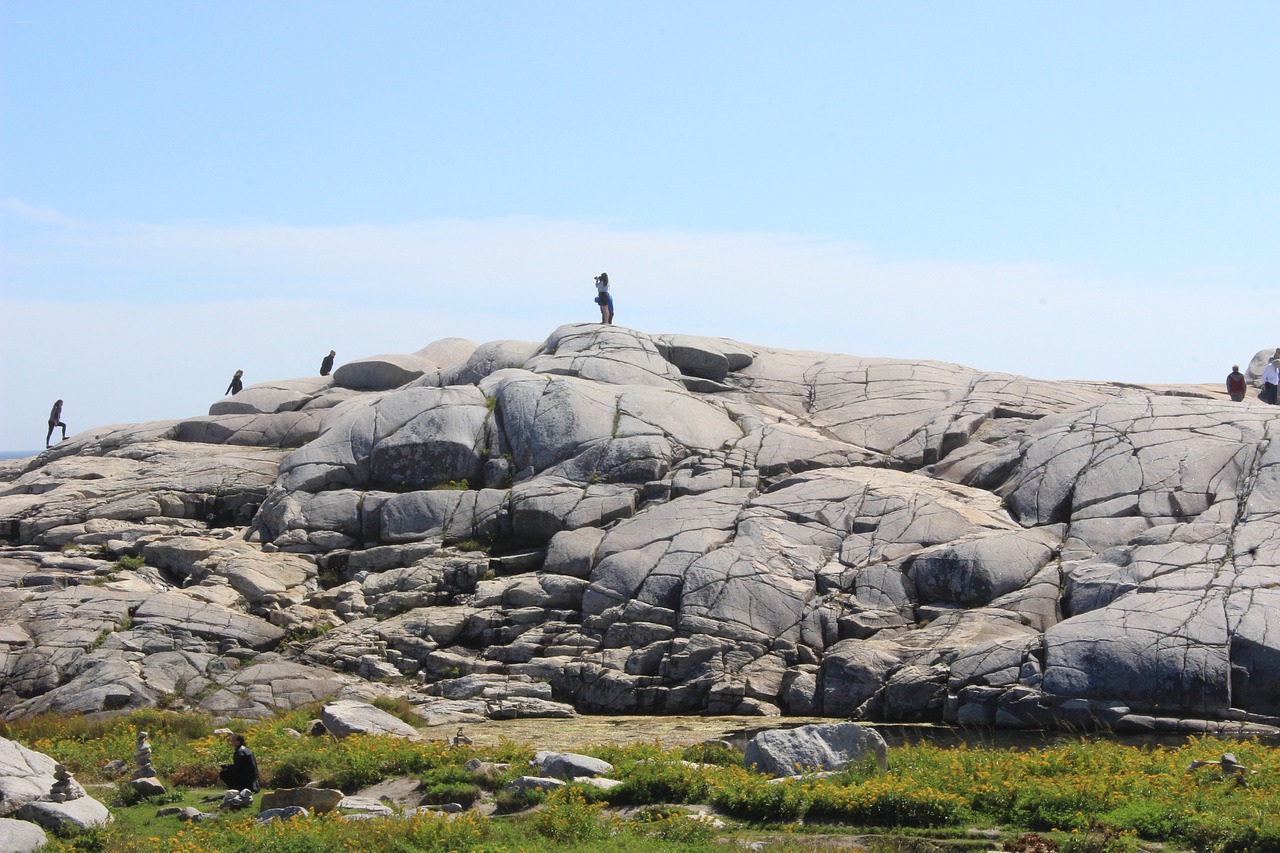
(144, 779)
(64, 787)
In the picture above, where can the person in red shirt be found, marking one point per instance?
(1235, 384)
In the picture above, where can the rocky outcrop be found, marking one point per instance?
(34, 790)
(613, 521)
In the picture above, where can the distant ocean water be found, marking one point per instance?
(17, 454)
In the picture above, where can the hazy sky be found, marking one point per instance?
(1063, 190)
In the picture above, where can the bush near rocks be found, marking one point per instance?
(1061, 787)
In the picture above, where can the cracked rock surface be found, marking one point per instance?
(618, 522)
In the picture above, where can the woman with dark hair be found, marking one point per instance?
(603, 299)
(242, 772)
(55, 420)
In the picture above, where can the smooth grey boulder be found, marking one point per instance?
(611, 355)
(450, 514)
(1258, 364)
(271, 398)
(172, 610)
(572, 552)
(415, 437)
(20, 836)
(285, 429)
(25, 775)
(710, 358)
(285, 813)
(365, 806)
(1150, 648)
(489, 358)
(792, 752)
(973, 572)
(569, 765)
(350, 717)
(381, 372)
(526, 783)
(447, 353)
(78, 814)
(549, 420)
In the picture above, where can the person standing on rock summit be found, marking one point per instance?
(236, 385)
(1235, 384)
(603, 299)
(327, 364)
(55, 420)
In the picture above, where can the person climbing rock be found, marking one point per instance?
(55, 421)
(327, 364)
(236, 385)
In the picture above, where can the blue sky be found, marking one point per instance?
(1084, 190)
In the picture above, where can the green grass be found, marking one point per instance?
(1085, 796)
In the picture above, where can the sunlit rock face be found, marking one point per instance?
(617, 521)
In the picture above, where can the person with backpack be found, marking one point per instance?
(1235, 384)
(603, 299)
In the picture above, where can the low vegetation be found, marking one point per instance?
(1076, 796)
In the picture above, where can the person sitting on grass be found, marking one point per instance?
(242, 773)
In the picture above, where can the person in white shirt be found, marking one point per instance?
(603, 299)
(1270, 380)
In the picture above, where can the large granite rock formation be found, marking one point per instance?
(669, 523)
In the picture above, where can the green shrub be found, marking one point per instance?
(508, 802)
(196, 775)
(765, 802)
(464, 794)
(662, 781)
(293, 771)
(713, 753)
(567, 818)
(398, 707)
(1154, 820)
(675, 825)
(1101, 838)
(450, 784)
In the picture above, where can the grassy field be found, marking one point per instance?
(680, 793)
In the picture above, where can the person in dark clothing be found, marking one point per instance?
(1235, 384)
(327, 364)
(242, 772)
(236, 385)
(55, 420)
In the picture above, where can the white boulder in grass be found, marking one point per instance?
(826, 746)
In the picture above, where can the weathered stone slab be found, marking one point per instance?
(353, 717)
(790, 752)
